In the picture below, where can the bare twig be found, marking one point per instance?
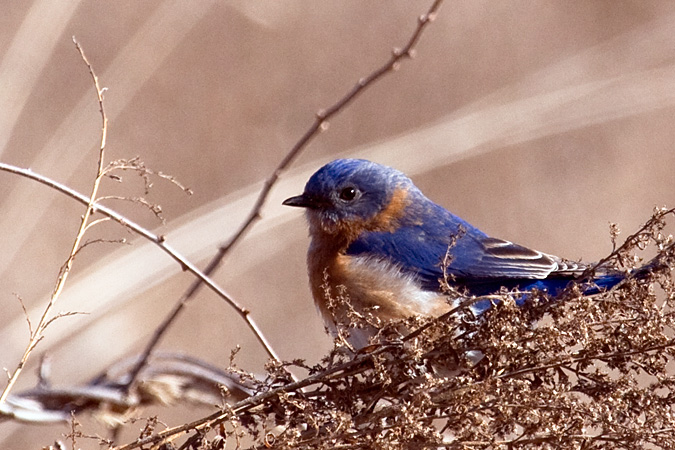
(156, 239)
(320, 123)
(45, 320)
(26, 315)
(587, 358)
(136, 165)
(250, 402)
(630, 242)
(169, 379)
(156, 210)
(321, 120)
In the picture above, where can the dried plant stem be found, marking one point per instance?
(214, 419)
(156, 239)
(587, 358)
(37, 334)
(631, 241)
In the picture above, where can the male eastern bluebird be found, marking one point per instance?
(379, 241)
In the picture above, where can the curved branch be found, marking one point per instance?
(158, 240)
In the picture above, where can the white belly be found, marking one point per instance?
(358, 295)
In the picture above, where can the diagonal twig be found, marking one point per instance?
(631, 241)
(158, 240)
(320, 123)
(45, 320)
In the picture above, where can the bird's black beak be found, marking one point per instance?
(301, 201)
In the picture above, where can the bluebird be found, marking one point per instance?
(379, 242)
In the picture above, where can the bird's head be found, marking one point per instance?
(348, 196)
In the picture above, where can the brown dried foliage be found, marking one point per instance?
(577, 371)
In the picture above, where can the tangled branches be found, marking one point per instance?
(578, 372)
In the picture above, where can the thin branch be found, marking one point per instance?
(322, 117)
(156, 210)
(320, 124)
(65, 270)
(64, 314)
(630, 242)
(26, 315)
(93, 223)
(136, 165)
(250, 402)
(586, 358)
(169, 379)
(102, 241)
(154, 238)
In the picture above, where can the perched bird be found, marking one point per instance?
(377, 241)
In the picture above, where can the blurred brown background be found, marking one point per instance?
(538, 121)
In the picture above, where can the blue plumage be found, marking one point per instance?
(376, 236)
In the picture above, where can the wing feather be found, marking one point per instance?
(500, 258)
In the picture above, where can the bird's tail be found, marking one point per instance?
(593, 282)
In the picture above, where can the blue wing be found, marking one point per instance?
(475, 261)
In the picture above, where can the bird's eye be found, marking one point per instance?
(348, 194)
